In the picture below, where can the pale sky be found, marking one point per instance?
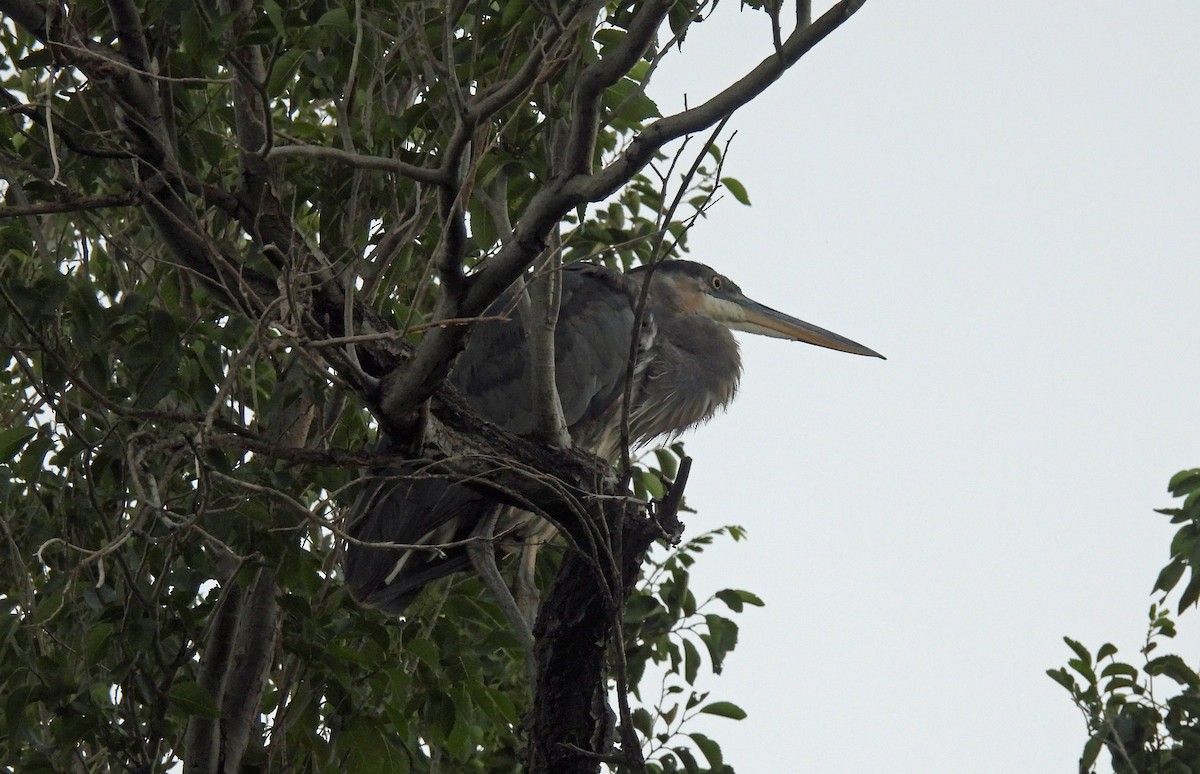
(1003, 200)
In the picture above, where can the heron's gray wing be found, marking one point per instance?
(591, 347)
(405, 506)
(493, 374)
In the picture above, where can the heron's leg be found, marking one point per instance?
(482, 553)
(525, 588)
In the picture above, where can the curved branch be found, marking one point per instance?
(405, 389)
(493, 99)
(589, 91)
(361, 161)
(641, 151)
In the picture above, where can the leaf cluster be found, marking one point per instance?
(672, 636)
(224, 227)
(1122, 702)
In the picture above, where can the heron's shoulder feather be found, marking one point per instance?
(592, 344)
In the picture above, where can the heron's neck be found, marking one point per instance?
(693, 373)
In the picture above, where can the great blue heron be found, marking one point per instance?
(687, 368)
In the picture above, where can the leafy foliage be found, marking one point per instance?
(666, 628)
(1145, 733)
(226, 226)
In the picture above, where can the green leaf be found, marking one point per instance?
(1083, 668)
(336, 17)
(1191, 592)
(284, 69)
(735, 599)
(1184, 481)
(425, 650)
(1118, 668)
(691, 661)
(724, 709)
(609, 38)
(1169, 576)
(736, 188)
(275, 15)
(96, 642)
(48, 606)
(13, 439)
(710, 749)
(367, 749)
(690, 765)
(513, 11)
(651, 483)
(1063, 678)
(1191, 504)
(667, 463)
(1091, 751)
(43, 57)
(1174, 667)
(1123, 683)
(642, 721)
(1080, 651)
(720, 640)
(1106, 650)
(194, 699)
(731, 599)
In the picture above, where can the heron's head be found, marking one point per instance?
(688, 287)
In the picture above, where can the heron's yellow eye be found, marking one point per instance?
(717, 282)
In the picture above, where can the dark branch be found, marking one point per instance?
(495, 98)
(128, 23)
(69, 205)
(246, 673)
(641, 151)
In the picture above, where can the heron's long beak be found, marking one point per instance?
(752, 317)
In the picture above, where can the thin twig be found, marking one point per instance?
(436, 176)
(69, 205)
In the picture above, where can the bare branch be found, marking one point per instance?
(585, 110)
(128, 23)
(361, 161)
(494, 98)
(254, 653)
(482, 552)
(803, 13)
(641, 151)
(69, 205)
(773, 7)
(545, 291)
(203, 739)
(33, 15)
(403, 390)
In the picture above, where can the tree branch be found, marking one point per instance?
(545, 292)
(251, 660)
(34, 16)
(589, 90)
(202, 741)
(570, 712)
(494, 98)
(360, 161)
(128, 24)
(401, 392)
(641, 151)
(69, 205)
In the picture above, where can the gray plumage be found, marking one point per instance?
(687, 368)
